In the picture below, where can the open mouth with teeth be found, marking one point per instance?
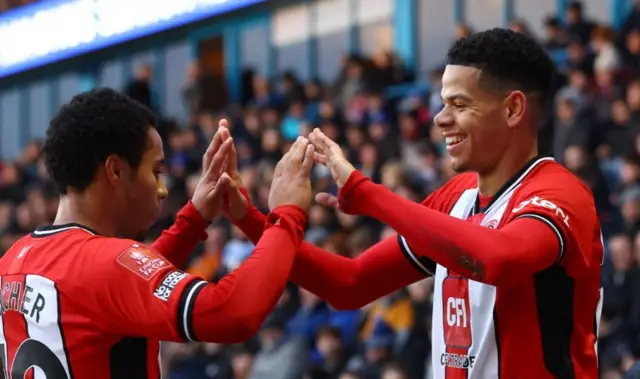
(454, 140)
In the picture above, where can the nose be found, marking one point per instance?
(163, 192)
(444, 118)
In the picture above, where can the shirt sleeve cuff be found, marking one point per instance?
(190, 215)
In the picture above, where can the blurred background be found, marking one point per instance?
(367, 73)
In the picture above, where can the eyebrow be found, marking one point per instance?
(457, 96)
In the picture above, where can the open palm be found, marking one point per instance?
(213, 184)
(329, 153)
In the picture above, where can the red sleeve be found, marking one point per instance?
(353, 283)
(519, 249)
(138, 293)
(343, 282)
(252, 225)
(568, 209)
(176, 243)
(420, 261)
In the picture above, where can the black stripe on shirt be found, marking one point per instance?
(556, 229)
(185, 309)
(422, 264)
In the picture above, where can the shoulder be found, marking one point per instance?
(446, 196)
(52, 251)
(548, 173)
(115, 257)
(17, 246)
(555, 193)
(14, 251)
(558, 184)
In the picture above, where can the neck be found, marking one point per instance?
(78, 209)
(490, 182)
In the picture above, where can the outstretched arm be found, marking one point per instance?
(534, 238)
(353, 283)
(343, 282)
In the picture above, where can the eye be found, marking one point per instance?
(158, 172)
(159, 169)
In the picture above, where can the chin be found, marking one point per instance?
(459, 166)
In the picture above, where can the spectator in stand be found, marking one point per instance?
(632, 21)
(577, 25)
(140, 87)
(330, 355)
(631, 58)
(555, 37)
(281, 356)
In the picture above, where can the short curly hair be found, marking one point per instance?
(508, 61)
(92, 126)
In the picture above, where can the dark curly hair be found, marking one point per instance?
(508, 61)
(92, 126)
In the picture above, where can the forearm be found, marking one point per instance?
(233, 310)
(353, 283)
(327, 275)
(343, 282)
(252, 225)
(483, 254)
(177, 242)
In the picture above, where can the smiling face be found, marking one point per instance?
(476, 123)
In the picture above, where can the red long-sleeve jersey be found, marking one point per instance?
(517, 287)
(79, 305)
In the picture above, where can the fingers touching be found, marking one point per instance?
(220, 159)
(299, 159)
(323, 144)
(307, 163)
(221, 135)
(232, 167)
(222, 185)
(297, 153)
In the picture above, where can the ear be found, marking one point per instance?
(115, 168)
(515, 106)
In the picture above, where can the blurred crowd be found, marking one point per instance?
(593, 127)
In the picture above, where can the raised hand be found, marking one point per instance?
(330, 154)
(214, 182)
(292, 178)
(237, 204)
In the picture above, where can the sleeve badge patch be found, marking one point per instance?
(142, 261)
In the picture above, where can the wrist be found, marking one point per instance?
(244, 206)
(194, 220)
(349, 195)
(252, 224)
(237, 209)
(199, 212)
(344, 179)
(290, 217)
